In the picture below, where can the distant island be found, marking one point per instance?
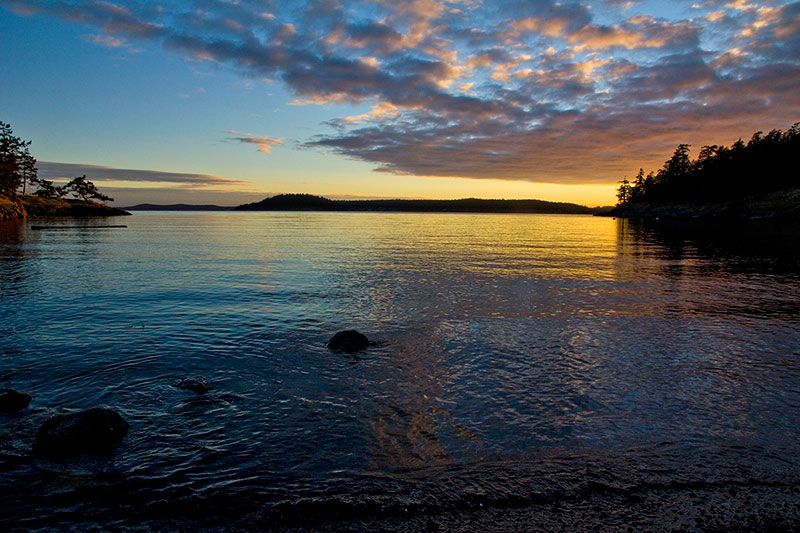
(309, 202)
(176, 207)
(759, 179)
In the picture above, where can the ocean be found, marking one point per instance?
(529, 372)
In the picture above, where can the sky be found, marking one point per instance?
(229, 101)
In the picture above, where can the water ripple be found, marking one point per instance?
(520, 360)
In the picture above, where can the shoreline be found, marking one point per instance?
(779, 206)
(29, 206)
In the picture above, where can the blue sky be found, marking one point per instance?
(227, 101)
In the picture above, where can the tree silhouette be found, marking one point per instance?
(80, 187)
(767, 163)
(624, 191)
(28, 168)
(17, 166)
(638, 187)
(48, 190)
(679, 164)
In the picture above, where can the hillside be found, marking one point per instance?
(308, 202)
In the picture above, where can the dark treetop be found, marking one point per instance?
(757, 178)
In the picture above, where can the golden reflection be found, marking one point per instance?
(412, 425)
(547, 246)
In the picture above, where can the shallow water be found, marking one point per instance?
(520, 359)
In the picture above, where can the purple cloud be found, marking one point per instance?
(539, 91)
(54, 170)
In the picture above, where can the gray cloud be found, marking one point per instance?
(548, 95)
(53, 170)
(373, 36)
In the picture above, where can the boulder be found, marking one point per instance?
(12, 401)
(92, 431)
(349, 341)
(197, 385)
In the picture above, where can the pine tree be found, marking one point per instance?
(80, 187)
(17, 166)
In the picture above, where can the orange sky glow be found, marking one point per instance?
(227, 102)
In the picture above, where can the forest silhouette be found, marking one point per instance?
(765, 164)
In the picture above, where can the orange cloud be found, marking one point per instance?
(264, 144)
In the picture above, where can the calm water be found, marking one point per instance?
(521, 360)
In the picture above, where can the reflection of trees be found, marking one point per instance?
(13, 255)
(699, 263)
(733, 246)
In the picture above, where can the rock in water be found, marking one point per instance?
(12, 401)
(349, 341)
(93, 431)
(197, 385)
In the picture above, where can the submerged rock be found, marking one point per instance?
(92, 431)
(12, 401)
(349, 341)
(197, 385)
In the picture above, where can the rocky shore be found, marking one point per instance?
(98, 430)
(24, 206)
(782, 205)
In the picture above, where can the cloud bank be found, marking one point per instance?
(54, 171)
(546, 91)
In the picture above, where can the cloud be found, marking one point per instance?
(131, 196)
(556, 92)
(264, 144)
(379, 111)
(55, 171)
(114, 19)
(640, 31)
(373, 36)
(109, 42)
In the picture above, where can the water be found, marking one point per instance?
(528, 367)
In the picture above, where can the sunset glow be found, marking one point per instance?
(229, 101)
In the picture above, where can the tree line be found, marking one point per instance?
(767, 163)
(18, 171)
(308, 202)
